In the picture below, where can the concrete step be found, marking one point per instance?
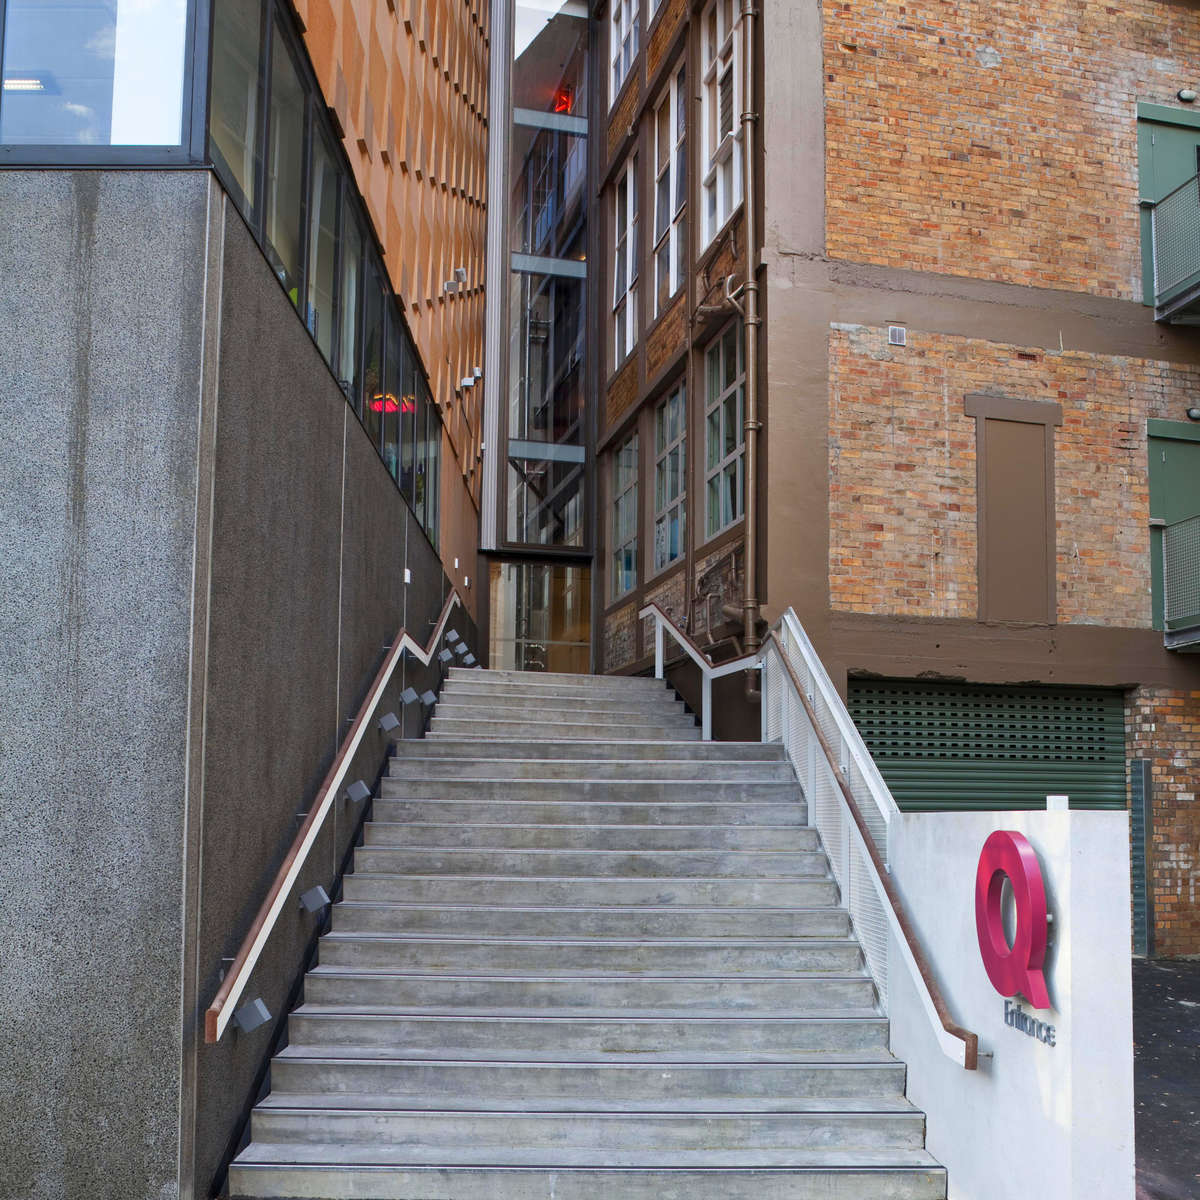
(546, 1038)
(729, 892)
(609, 995)
(265, 1170)
(659, 712)
(549, 1087)
(581, 730)
(590, 955)
(504, 699)
(442, 747)
(790, 813)
(598, 683)
(520, 922)
(636, 864)
(592, 837)
(564, 791)
(585, 767)
(407, 1135)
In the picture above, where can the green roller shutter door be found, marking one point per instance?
(948, 746)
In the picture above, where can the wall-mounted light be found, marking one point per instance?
(469, 661)
(357, 792)
(462, 650)
(460, 274)
(409, 696)
(452, 635)
(445, 656)
(250, 1016)
(314, 899)
(1193, 414)
(388, 722)
(1187, 95)
(429, 699)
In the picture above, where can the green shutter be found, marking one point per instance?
(1140, 834)
(959, 746)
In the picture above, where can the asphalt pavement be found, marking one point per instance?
(1166, 1071)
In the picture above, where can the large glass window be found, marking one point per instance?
(550, 57)
(626, 20)
(233, 138)
(546, 358)
(393, 396)
(721, 182)
(625, 263)
(670, 478)
(372, 368)
(285, 168)
(540, 617)
(93, 72)
(322, 247)
(548, 196)
(670, 190)
(724, 431)
(625, 516)
(545, 494)
(351, 301)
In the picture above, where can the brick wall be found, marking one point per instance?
(997, 140)
(620, 638)
(671, 596)
(902, 471)
(665, 25)
(666, 339)
(622, 392)
(1164, 726)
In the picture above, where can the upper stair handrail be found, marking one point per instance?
(663, 624)
(956, 1041)
(220, 1011)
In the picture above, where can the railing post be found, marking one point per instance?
(706, 708)
(659, 650)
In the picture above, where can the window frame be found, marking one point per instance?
(624, 31)
(716, 469)
(665, 505)
(624, 504)
(625, 262)
(720, 55)
(670, 228)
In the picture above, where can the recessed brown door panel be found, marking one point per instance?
(1015, 583)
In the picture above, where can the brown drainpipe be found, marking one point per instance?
(750, 604)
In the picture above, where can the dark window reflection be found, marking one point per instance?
(233, 117)
(285, 168)
(322, 247)
(351, 300)
(373, 359)
(546, 358)
(549, 169)
(545, 502)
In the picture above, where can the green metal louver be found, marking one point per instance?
(958, 746)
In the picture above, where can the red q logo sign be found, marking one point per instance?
(1019, 968)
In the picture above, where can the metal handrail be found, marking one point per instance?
(958, 1042)
(663, 624)
(220, 1011)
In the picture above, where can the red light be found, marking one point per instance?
(563, 99)
(408, 404)
(384, 402)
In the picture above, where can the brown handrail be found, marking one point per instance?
(219, 1012)
(969, 1039)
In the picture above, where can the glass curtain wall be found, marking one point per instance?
(270, 141)
(546, 459)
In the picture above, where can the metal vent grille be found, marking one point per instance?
(942, 746)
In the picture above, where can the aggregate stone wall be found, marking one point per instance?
(997, 140)
(1164, 726)
(902, 500)
(620, 638)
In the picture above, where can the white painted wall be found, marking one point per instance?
(1034, 1121)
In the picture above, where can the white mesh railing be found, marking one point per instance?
(1181, 573)
(802, 710)
(1175, 230)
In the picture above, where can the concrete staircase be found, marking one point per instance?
(585, 956)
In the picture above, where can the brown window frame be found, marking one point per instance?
(984, 407)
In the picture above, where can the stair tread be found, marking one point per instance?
(815, 942)
(852, 1157)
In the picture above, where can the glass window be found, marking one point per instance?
(432, 460)
(721, 158)
(548, 195)
(407, 397)
(373, 358)
(393, 391)
(724, 431)
(670, 478)
(93, 72)
(625, 263)
(625, 516)
(540, 617)
(626, 19)
(545, 495)
(546, 347)
(285, 168)
(234, 102)
(322, 246)
(350, 294)
(550, 39)
(670, 186)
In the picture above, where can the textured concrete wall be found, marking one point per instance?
(99, 385)
(310, 541)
